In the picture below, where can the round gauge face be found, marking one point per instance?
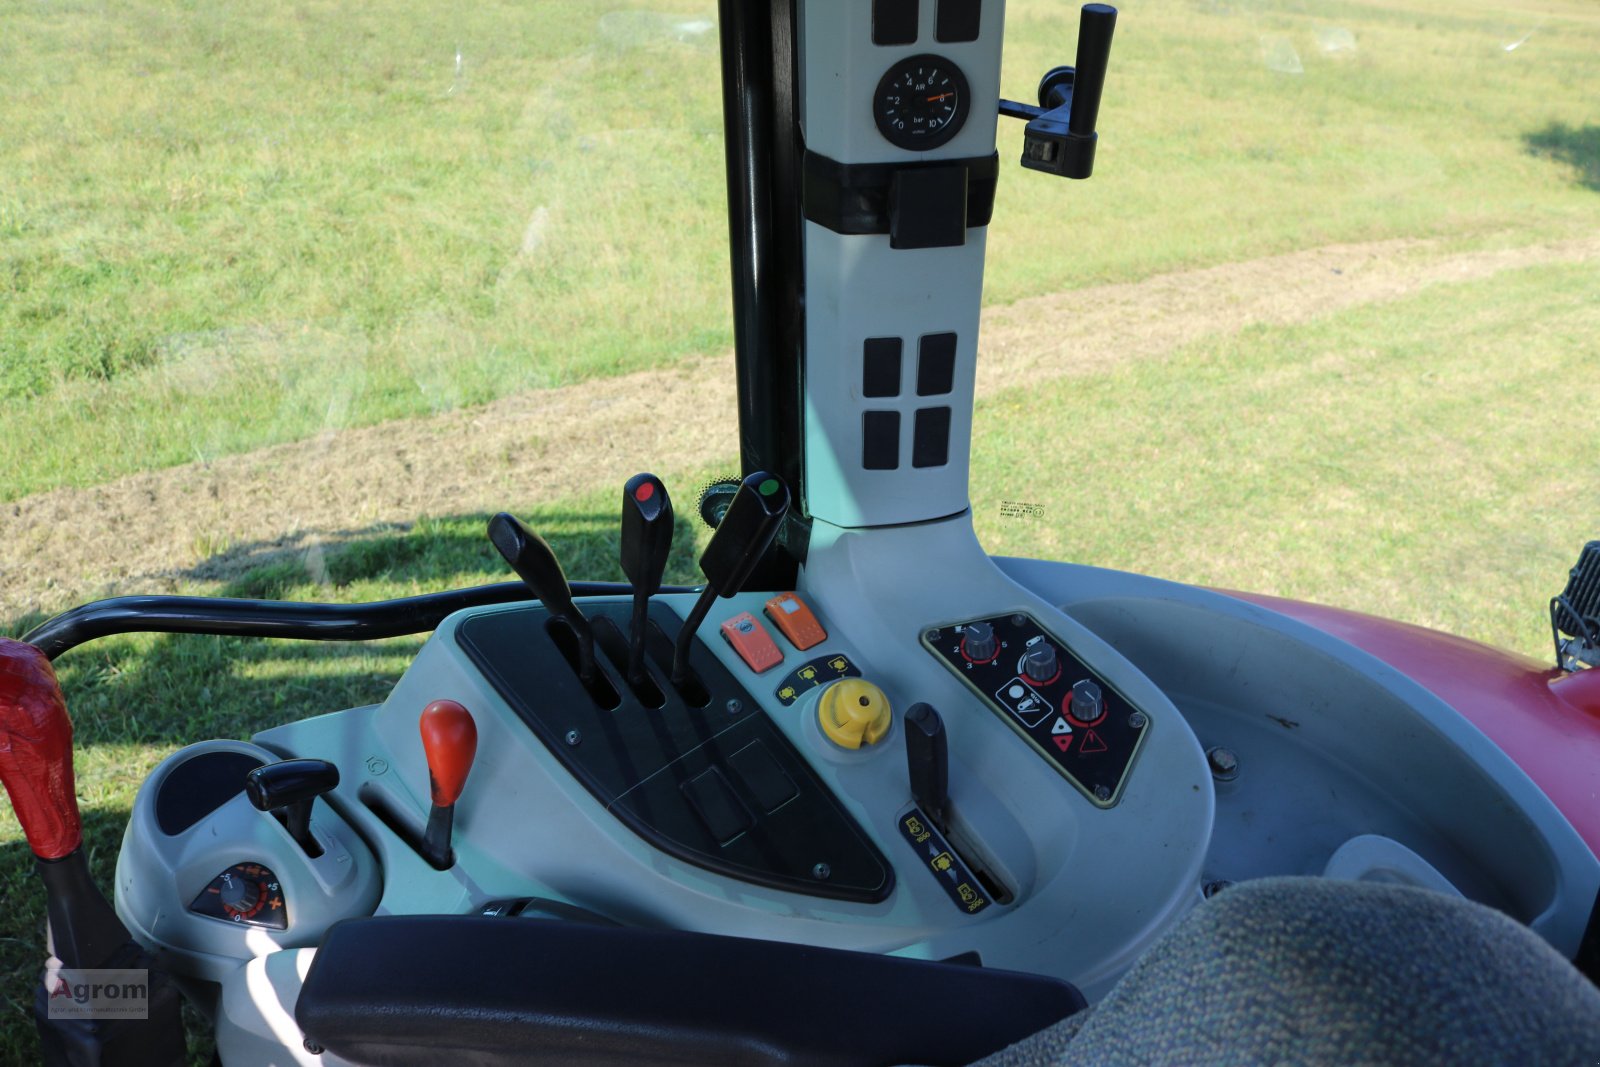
(920, 103)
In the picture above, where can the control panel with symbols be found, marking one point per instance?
(1085, 728)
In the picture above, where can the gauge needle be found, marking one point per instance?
(941, 96)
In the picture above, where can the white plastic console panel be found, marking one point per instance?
(1333, 744)
(1092, 887)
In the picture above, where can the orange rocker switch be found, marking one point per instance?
(791, 615)
(751, 640)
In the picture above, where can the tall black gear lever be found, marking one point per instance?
(646, 542)
(535, 563)
(741, 539)
(928, 762)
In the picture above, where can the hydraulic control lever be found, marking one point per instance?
(36, 769)
(741, 539)
(535, 563)
(287, 790)
(928, 762)
(1060, 136)
(646, 541)
(449, 742)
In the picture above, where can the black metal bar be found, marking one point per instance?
(282, 619)
(763, 152)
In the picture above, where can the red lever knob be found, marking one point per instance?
(449, 740)
(36, 751)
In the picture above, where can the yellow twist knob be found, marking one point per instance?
(854, 712)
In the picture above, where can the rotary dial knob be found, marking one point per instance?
(1040, 663)
(240, 896)
(978, 643)
(1087, 704)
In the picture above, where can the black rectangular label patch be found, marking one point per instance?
(942, 862)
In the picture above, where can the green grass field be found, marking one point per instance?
(224, 226)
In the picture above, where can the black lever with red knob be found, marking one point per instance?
(647, 522)
(36, 769)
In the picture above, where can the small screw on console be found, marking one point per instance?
(574, 737)
(1223, 763)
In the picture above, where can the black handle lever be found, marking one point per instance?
(1060, 137)
(287, 789)
(741, 539)
(928, 761)
(647, 523)
(1095, 25)
(745, 532)
(535, 563)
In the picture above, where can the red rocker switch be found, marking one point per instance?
(751, 640)
(791, 615)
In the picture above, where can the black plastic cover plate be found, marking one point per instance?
(1095, 758)
(641, 762)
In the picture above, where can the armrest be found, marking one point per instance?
(402, 990)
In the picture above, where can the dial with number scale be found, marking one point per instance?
(920, 103)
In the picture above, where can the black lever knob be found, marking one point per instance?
(928, 761)
(535, 563)
(647, 523)
(742, 537)
(1095, 25)
(287, 789)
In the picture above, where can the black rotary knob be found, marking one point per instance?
(1087, 703)
(240, 896)
(1041, 663)
(978, 642)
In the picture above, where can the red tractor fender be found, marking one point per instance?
(1546, 720)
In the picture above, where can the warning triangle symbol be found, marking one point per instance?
(1061, 726)
(1063, 741)
(1091, 743)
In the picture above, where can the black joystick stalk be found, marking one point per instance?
(646, 541)
(741, 539)
(535, 563)
(928, 762)
(1060, 137)
(287, 790)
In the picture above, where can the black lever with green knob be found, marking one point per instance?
(741, 539)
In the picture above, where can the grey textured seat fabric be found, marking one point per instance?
(1314, 971)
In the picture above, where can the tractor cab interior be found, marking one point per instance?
(867, 794)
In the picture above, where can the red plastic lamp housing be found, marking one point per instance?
(449, 741)
(36, 751)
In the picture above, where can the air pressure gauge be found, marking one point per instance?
(921, 102)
